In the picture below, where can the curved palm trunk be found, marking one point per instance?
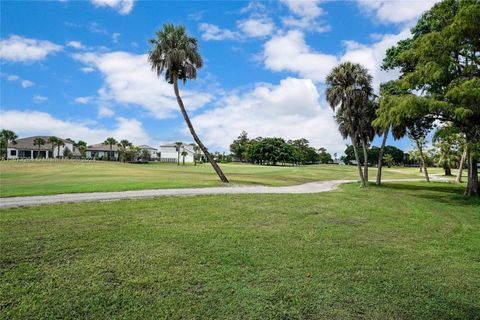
(380, 157)
(365, 161)
(424, 163)
(460, 167)
(209, 157)
(359, 167)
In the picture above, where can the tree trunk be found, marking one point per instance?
(473, 188)
(424, 163)
(448, 170)
(209, 157)
(380, 157)
(365, 160)
(460, 167)
(355, 150)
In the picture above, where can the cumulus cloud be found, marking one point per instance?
(290, 52)
(128, 80)
(20, 49)
(87, 69)
(213, 32)
(122, 6)
(84, 100)
(391, 11)
(290, 109)
(256, 27)
(75, 44)
(305, 15)
(28, 123)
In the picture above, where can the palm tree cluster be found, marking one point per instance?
(350, 94)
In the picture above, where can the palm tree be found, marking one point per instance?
(123, 145)
(110, 142)
(7, 137)
(39, 142)
(178, 144)
(348, 89)
(55, 142)
(184, 154)
(176, 53)
(81, 148)
(195, 154)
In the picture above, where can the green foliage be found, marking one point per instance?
(6, 137)
(396, 153)
(239, 146)
(176, 53)
(67, 153)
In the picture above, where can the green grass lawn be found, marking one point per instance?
(35, 178)
(401, 251)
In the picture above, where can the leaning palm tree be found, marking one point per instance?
(178, 145)
(39, 142)
(110, 142)
(7, 137)
(348, 89)
(176, 53)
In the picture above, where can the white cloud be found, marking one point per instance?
(399, 11)
(290, 110)
(289, 52)
(105, 112)
(20, 49)
(39, 99)
(87, 69)
(26, 83)
(75, 44)
(213, 32)
(305, 15)
(128, 80)
(84, 100)
(256, 27)
(371, 56)
(12, 77)
(122, 6)
(28, 123)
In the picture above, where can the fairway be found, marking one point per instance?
(401, 251)
(44, 177)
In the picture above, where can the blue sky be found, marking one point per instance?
(78, 69)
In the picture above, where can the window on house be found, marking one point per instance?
(13, 152)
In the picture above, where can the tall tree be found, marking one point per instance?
(123, 146)
(7, 136)
(110, 142)
(239, 146)
(442, 60)
(348, 90)
(195, 154)
(178, 146)
(176, 53)
(39, 142)
(184, 154)
(53, 142)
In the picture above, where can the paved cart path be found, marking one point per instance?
(311, 187)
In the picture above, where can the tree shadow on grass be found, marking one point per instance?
(448, 193)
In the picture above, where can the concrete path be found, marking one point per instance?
(311, 187)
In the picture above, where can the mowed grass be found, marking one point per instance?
(401, 251)
(42, 177)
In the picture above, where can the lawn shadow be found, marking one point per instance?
(443, 192)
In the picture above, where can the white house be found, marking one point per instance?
(152, 151)
(101, 151)
(25, 149)
(169, 153)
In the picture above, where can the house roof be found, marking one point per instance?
(174, 145)
(101, 147)
(27, 143)
(144, 146)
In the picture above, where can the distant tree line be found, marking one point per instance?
(277, 151)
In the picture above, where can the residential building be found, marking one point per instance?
(169, 153)
(25, 149)
(102, 151)
(151, 151)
